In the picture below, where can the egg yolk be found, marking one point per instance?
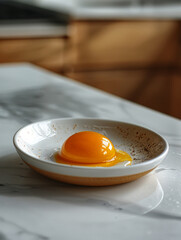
(90, 149)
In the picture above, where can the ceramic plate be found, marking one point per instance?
(36, 144)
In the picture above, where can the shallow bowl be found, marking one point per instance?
(36, 144)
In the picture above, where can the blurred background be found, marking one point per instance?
(130, 48)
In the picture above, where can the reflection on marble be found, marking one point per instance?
(34, 207)
(133, 197)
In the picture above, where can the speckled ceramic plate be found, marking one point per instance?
(37, 142)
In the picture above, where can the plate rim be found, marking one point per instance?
(59, 165)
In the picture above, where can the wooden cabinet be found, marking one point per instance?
(122, 44)
(137, 60)
(44, 52)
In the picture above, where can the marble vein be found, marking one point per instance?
(17, 232)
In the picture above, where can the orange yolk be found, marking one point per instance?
(90, 149)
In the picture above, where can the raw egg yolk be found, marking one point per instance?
(90, 149)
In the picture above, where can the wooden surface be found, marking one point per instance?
(158, 92)
(47, 53)
(118, 44)
(137, 60)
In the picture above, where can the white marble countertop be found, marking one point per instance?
(140, 12)
(34, 207)
(116, 9)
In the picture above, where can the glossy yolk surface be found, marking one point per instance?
(90, 149)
